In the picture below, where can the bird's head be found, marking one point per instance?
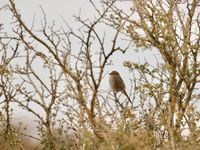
(114, 73)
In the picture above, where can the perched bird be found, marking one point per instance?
(117, 84)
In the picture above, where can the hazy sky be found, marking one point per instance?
(55, 10)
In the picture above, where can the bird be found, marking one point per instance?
(117, 84)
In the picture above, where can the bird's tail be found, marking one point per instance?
(127, 97)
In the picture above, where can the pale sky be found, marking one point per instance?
(55, 10)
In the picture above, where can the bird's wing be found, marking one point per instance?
(121, 83)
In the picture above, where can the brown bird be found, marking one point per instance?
(117, 84)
